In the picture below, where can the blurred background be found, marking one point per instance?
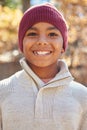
(75, 13)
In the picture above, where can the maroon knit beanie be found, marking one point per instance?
(42, 13)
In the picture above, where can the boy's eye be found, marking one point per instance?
(52, 34)
(31, 34)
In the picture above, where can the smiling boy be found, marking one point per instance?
(42, 47)
(42, 96)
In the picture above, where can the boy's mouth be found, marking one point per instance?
(42, 53)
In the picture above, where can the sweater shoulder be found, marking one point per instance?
(78, 87)
(7, 85)
(79, 92)
(8, 82)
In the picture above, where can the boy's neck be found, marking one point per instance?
(45, 73)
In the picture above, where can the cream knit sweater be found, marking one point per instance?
(27, 103)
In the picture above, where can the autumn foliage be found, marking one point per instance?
(9, 20)
(75, 13)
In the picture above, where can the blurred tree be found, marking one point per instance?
(2, 2)
(25, 4)
(10, 3)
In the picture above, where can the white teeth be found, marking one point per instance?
(42, 52)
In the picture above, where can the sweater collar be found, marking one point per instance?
(62, 78)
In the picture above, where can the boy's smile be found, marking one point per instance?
(42, 53)
(42, 50)
(42, 45)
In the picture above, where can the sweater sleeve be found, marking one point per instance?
(83, 99)
(5, 90)
(0, 120)
(84, 122)
(79, 92)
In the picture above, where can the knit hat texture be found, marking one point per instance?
(42, 13)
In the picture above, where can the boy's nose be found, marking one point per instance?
(42, 41)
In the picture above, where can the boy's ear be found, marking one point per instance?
(62, 51)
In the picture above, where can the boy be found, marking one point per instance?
(43, 96)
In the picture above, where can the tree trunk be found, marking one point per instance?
(2, 2)
(25, 5)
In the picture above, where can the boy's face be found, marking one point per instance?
(42, 45)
